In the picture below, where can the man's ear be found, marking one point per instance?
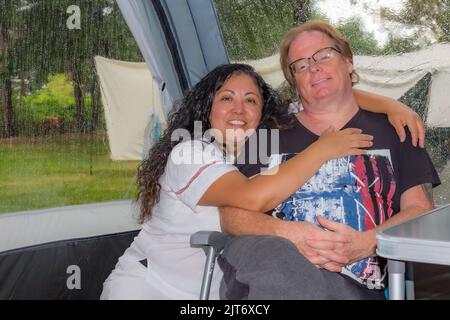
(297, 92)
(349, 64)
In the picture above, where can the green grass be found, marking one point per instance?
(61, 170)
(76, 169)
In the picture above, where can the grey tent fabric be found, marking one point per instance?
(72, 269)
(144, 25)
(198, 35)
(179, 39)
(29, 228)
(63, 253)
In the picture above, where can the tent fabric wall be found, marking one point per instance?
(199, 44)
(439, 104)
(391, 76)
(72, 269)
(132, 106)
(269, 68)
(144, 25)
(181, 41)
(210, 37)
(395, 74)
(39, 248)
(196, 28)
(29, 228)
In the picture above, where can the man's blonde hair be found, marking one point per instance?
(340, 42)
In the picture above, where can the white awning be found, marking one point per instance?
(392, 76)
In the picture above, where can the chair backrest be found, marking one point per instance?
(63, 253)
(68, 269)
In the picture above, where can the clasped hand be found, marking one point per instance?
(335, 247)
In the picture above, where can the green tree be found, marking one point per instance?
(35, 43)
(54, 99)
(252, 29)
(363, 43)
(102, 32)
(8, 38)
(425, 15)
(400, 45)
(302, 11)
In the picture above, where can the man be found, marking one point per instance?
(332, 220)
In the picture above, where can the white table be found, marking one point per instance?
(423, 239)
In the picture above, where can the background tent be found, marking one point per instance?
(393, 76)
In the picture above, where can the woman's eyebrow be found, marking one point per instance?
(229, 90)
(251, 93)
(234, 93)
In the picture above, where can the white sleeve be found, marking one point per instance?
(192, 168)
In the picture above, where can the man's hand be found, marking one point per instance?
(360, 245)
(238, 222)
(302, 232)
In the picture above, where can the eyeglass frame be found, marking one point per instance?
(309, 58)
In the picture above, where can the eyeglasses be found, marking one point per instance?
(323, 55)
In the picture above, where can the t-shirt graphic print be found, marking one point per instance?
(354, 190)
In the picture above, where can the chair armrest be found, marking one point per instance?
(212, 242)
(204, 239)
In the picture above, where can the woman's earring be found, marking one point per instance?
(295, 107)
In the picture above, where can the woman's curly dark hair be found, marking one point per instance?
(196, 106)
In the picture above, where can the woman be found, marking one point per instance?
(182, 184)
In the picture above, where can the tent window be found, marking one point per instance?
(410, 64)
(54, 147)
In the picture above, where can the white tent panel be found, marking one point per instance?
(392, 76)
(439, 105)
(269, 68)
(131, 99)
(22, 229)
(392, 84)
(434, 57)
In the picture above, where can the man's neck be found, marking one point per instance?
(319, 117)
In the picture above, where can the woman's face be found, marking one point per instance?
(236, 109)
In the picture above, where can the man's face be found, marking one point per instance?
(323, 80)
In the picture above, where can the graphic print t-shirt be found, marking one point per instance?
(359, 191)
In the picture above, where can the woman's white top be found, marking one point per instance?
(174, 268)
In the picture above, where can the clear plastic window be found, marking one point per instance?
(253, 30)
(54, 147)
